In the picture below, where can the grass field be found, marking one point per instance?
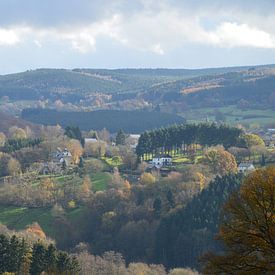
(100, 180)
(232, 114)
(19, 217)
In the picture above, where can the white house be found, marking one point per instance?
(160, 161)
(62, 156)
(245, 167)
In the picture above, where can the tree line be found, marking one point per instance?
(17, 256)
(177, 137)
(13, 144)
(112, 120)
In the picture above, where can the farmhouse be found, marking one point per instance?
(245, 167)
(160, 161)
(62, 156)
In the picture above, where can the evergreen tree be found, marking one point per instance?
(38, 263)
(120, 137)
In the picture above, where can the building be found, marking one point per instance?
(160, 161)
(245, 167)
(62, 156)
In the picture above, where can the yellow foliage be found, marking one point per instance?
(71, 204)
(249, 232)
(147, 178)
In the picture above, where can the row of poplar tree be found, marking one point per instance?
(176, 138)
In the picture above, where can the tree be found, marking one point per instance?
(248, 232)
(95, 149)
(104, 135)
(147, 178)
(120, 137)
(76, 150)
(14, 167)
(2, 139)
(252, 140)
(220, 161)
(74, 133)
(17, 133)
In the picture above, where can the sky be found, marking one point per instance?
(135, 33)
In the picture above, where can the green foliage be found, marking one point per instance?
(12, 145)
(120, 137)
(74, 133)
(186, 233)
(250, 140)
(15, 251)
(178, 136)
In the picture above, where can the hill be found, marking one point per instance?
(53, 83)
(240, 94)
(8, 121)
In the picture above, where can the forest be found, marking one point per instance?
(107, 208)
(112, 120)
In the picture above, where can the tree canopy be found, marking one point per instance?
(248, 232)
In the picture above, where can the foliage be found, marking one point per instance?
(120, 137)
(220, 161)
(147, 178)
(21, 257)
(176, 137)
(248, 231)
(112, 120)
(186, 233)
(74, 133)
(12, 145)
(252, 140)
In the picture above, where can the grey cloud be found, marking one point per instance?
(48, 13)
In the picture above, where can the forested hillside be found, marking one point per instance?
(129, 121)
(7, 121)
(236, 94)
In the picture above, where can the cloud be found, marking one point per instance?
(241, 35)
(158, 31)
(147, 30)
(8, 37)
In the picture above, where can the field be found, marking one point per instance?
(19, 217)
(100, 181)
(233, 115)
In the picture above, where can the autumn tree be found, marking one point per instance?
(17, 133)
(220, 161)
(14, 167)
(76, 150)
(2, 139)
(252, 140)
(248, 232)
(95, 149)
(147, 178)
